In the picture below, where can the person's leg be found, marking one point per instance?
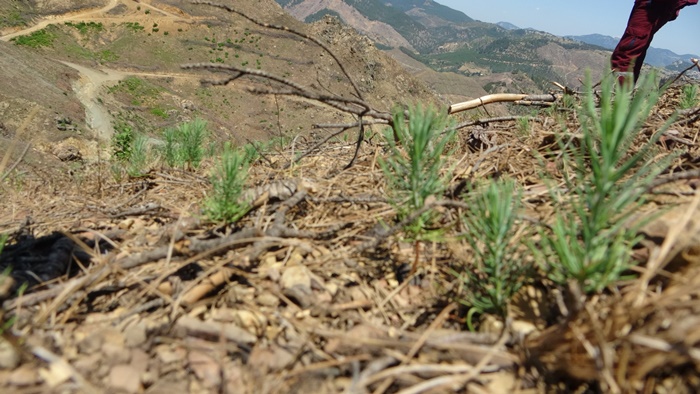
(645, 20)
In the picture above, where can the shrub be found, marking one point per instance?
(122, 141)
(523, 127)
(86, 27)
(160, 112)
(107, 56)
(184, 145)
(134, 26)
(138, 160)
(37, 39)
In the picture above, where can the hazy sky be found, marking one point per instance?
(567, 17)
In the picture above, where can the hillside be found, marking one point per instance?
(141, 47)
(448, 40)
(205, 199)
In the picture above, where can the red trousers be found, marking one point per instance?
(647, 17)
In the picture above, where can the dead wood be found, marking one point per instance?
(480, 122)
(522, 99)
(190, 326)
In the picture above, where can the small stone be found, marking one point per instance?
(68, 153)
(168, 355)
(85, 365)
(115, 354)
(296, 277)
(124, 377)
(272, 358)
(332, 289)
(91, 344)
(126, 223)
(139, 360)
(25, 375)
(9, 357)
(135, 335)
(57, 373)
(268, 299)
(253, 322)
(163, 386)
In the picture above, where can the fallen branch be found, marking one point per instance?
(208, 285)
(689, 115)
(479, 122)
(500, 98)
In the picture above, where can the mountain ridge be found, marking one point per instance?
(500, 59)
(449, 40)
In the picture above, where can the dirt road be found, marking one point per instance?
(89, 15)
(59, 19)
(87, 88)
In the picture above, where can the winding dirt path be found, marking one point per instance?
(87, 88)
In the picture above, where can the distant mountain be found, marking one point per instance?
(600, 40)
(507, 26)
(655, 56)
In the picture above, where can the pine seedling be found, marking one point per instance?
(228, 181)
(497, 273)
(138, 157)
(689, 97)
(185, 145)
(193, 134)
(592, 237)
(171, 153)
(415, 165)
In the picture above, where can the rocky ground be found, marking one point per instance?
(308, 294)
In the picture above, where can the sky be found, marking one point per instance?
(567, 17)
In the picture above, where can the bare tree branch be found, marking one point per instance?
(349, 125)
(288, 30)
(491, 120)
(360, 108)
(360, 139)
(694, 65)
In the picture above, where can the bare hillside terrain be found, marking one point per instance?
(311, 239)
(148, 45)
